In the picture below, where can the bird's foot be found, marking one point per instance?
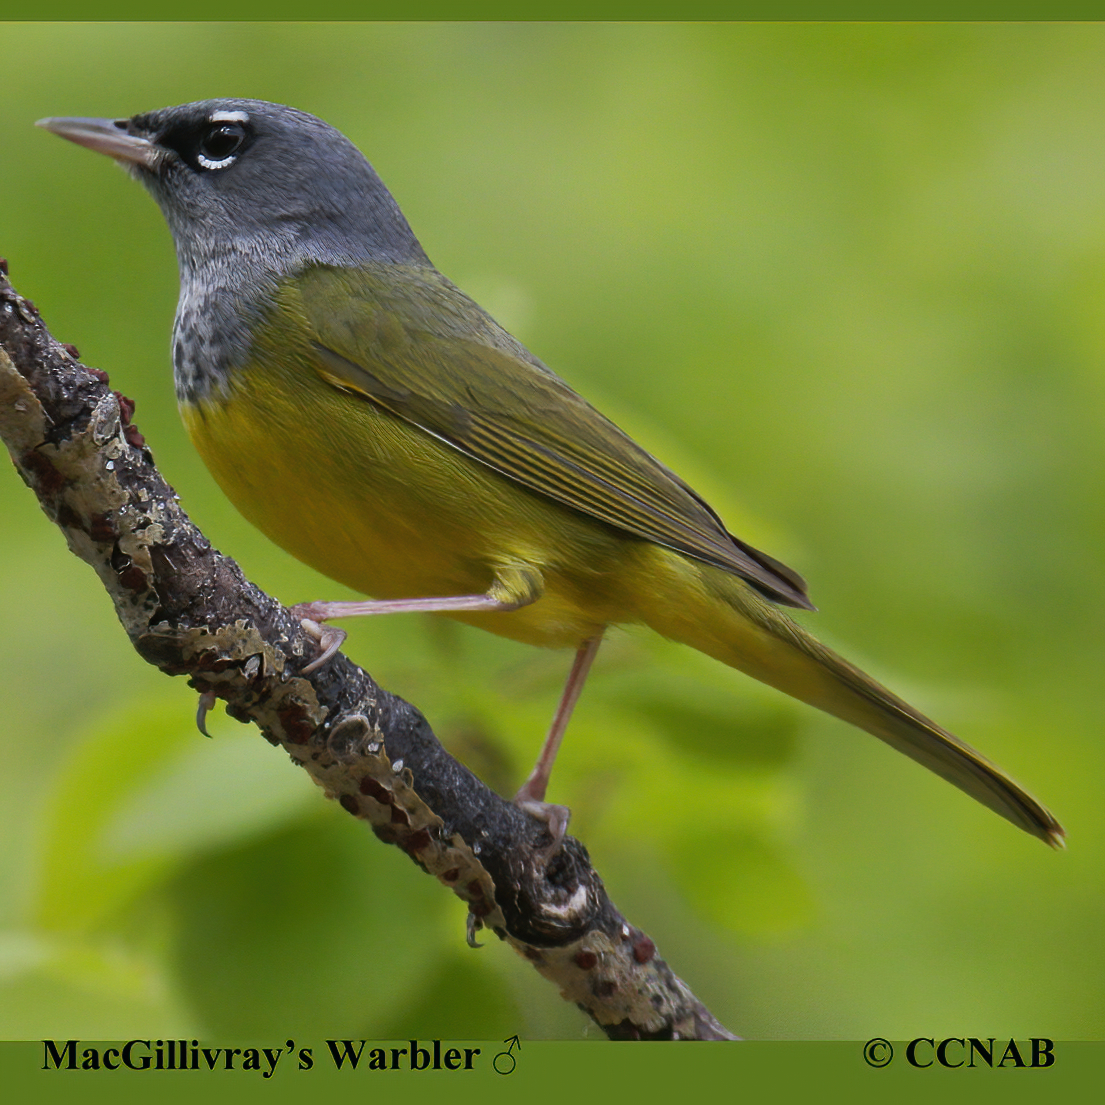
(554, 816)
(329, 637)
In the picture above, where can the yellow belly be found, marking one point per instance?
(392, 512)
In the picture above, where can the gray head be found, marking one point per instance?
(252, 192)
(230, 174)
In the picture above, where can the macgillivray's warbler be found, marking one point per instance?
(375, 422)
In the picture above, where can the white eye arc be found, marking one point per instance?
(228, 117)
(207, 163)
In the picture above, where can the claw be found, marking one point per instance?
(556, 817)
(329, 638)
(474, 926)
(206, 704)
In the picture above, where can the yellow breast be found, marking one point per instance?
(392, 512)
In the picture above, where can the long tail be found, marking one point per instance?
(720, 615)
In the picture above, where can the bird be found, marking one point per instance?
(379, 425)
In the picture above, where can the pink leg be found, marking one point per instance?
(312, 614)
(324, 611)
(531, 797)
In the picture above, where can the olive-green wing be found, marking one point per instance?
(409, 342)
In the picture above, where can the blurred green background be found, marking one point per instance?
(848, 280)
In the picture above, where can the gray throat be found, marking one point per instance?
(217, 312)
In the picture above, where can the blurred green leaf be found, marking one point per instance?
(740, 883)
(212, 793)
(143, 792)
(316, 929)
(84, 879)
(462, 1000)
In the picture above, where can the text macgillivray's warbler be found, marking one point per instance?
(375, 422)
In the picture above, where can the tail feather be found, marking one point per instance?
(736, 626)
(885, 715)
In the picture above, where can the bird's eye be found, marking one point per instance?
(219, 145)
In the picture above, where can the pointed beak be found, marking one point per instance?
(105, 136)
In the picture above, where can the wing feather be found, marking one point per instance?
(409, 342)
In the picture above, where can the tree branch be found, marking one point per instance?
(190, 611)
